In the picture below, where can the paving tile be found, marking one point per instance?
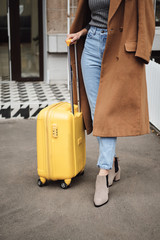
(26, 99)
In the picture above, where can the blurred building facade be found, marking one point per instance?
(32, 39)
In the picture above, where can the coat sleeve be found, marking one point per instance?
(146, 29)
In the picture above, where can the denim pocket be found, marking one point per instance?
(90, 33)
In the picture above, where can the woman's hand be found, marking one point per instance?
(76, 36)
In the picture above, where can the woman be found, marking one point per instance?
(114, 40)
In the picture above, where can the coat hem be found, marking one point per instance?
(120, 133)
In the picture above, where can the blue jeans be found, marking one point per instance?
(91, 69)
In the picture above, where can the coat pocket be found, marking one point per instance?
(131, 46)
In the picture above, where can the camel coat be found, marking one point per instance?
(121, 107)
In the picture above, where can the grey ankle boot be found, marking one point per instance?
(114, 173)
(101, 191)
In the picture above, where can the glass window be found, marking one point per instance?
(29, 38)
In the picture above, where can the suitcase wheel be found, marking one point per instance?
(66, 183)
(41, 182)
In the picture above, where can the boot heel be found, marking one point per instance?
(118, 175)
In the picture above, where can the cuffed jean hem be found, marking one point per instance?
(104, 167)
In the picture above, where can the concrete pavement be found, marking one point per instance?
(29, 212)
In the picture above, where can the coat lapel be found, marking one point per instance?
(114, 4)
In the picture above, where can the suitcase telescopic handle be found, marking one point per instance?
(71, 75)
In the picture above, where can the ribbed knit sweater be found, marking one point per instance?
(99, 13)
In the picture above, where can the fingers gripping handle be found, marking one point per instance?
(71, 76)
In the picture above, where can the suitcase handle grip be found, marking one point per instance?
(71, 75)
(69, 42)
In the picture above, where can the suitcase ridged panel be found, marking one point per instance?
(42, 153)
(62, 147)
(80, 145)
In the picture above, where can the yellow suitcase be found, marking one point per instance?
(61, 147)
